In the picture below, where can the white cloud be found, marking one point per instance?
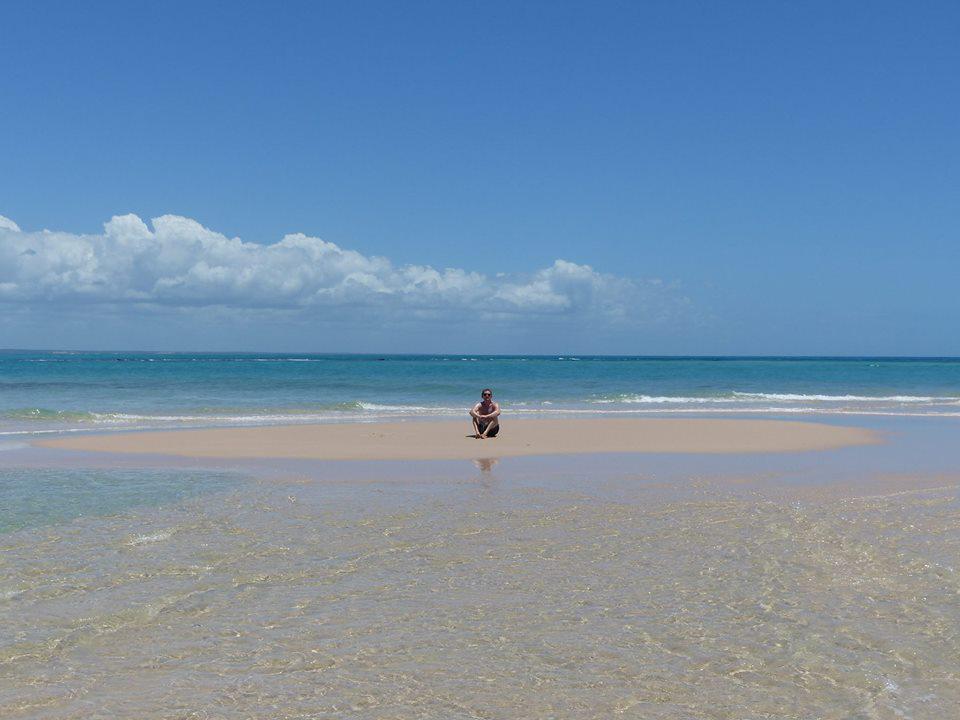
(180, 263)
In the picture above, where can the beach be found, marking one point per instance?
(451, 440)
(166, 560)
(684, 585)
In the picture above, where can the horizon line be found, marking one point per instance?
(706, 356)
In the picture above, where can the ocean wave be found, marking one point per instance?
(850, 398)
(733, 411)
(630, 399)
(129, 421)
(42, 421)
(377, 407)
(58, 431)
(52, 421)
(45, 414)
(755, 397)
(215, 413)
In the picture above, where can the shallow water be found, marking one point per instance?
(35, 496)
(576, 588)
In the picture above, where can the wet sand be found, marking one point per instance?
(450, 440)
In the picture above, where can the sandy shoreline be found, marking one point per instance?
(449, 440)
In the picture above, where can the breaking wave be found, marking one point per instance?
(41, 421)
(754, 397)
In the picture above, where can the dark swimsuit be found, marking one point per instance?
(483, 425)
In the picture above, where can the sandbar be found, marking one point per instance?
(449, 440)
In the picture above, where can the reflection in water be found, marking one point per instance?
(485, 465)
(296, 599)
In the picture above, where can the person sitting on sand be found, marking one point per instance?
(485, 414)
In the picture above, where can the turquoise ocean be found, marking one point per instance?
(55, 392)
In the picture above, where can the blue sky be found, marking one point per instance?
(730, 178)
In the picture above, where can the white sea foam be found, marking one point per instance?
(53, 422)
(767, 410)
(750, 397)
(41, 432)
(147, 539)
(147, 422)
(849, 398)
(658, 399)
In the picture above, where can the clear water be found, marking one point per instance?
(44, 392)
(31, 497)
(681, 589)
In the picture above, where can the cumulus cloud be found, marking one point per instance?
(8, 224)
(177, 262)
